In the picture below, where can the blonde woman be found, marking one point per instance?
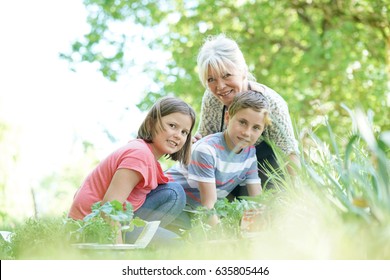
(224, 72)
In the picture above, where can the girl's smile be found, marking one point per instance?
(170, 139)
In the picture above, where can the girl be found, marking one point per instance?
(133, 172)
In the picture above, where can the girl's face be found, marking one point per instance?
(177, 127)
(227, 85)
(244, 128)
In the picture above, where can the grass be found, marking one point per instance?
(337, 207)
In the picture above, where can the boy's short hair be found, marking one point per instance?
(253, 100)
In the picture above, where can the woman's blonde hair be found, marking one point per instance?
(163, 107)
(220, 52)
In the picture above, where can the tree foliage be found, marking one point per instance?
(317, 54)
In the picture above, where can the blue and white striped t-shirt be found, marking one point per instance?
(213, 162)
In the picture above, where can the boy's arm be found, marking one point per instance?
(208, 197)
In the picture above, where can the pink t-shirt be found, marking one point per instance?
(135, 155)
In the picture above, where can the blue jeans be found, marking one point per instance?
(164, 204)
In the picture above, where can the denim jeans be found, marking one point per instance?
(164, 204)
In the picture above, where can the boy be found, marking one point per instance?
(221, 161)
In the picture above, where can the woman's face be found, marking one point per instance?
(226, 85)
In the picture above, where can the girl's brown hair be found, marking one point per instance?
(163, 107)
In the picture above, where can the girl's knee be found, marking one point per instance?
(177, 190)
(177, 194)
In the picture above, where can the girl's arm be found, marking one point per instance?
(208, 197)
(122, 183)
(254, 189)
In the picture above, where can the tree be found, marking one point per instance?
(317, 54)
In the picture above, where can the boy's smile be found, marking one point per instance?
(244, 128)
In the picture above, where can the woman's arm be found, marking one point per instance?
(122, 183)
(210, 115)
(293, 164)
(254, 189)
(208, 197)
(281, 132)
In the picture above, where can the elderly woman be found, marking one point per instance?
(223, 72)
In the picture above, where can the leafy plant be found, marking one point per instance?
(103, 223)
(230, 215)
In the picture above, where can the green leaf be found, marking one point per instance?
(138, 222)
(117, 205)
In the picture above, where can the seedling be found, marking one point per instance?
(230, 215)
(101, 225)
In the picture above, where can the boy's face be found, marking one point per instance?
(244, 128)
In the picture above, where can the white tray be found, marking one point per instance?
(143, 240)
(6, 235)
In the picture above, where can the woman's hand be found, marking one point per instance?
(196, 137)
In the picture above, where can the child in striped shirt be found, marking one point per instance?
(221, 161)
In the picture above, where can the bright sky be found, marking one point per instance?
(50, 106)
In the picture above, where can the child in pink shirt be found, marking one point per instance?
(132, 173)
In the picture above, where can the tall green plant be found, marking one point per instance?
(355, 177)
